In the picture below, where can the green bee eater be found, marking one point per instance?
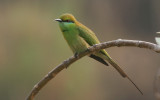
(79, 38)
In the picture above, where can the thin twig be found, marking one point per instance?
(97, 47)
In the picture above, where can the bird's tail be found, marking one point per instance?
(116, 66)
(123, 74)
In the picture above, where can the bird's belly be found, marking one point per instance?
(76, 43)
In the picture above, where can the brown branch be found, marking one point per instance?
(97, 47)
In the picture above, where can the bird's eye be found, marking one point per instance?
(67, 20)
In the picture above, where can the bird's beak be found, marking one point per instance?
(59, 20)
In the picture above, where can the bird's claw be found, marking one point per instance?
(87, 50)
(76, 55)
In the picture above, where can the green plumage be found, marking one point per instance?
(79, 38)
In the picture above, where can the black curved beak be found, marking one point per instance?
(59, 20)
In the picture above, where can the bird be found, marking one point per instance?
(80, 38)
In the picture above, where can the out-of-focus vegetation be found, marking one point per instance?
(31, 44)
(157, 38)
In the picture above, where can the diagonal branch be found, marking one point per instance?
(97, 47)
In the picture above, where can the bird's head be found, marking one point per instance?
(67, 22)
(66, 18)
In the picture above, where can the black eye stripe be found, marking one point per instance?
(68, 21)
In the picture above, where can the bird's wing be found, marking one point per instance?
(87, 35)
(91, 39)
(98, 59)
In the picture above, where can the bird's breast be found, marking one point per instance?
(76, 43)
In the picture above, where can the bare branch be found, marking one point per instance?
(97, 47)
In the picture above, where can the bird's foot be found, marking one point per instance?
(76, 55)
(87, 50)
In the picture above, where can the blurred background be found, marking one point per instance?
(31, 44)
